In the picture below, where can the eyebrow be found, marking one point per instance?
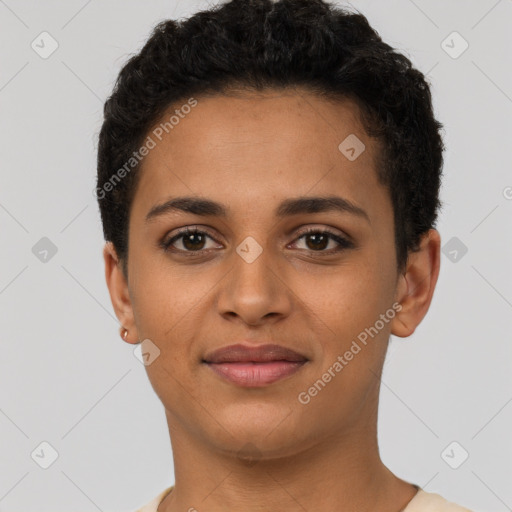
(289, 207)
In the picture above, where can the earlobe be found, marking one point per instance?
(415, 288)
(119, 294)
(124, 333)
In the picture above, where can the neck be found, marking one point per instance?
(339, 473)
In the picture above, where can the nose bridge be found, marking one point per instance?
(252, 262)
(253, 289)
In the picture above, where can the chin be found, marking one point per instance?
(268, 431)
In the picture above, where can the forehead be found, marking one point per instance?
(253, 149)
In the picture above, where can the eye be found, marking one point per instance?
(192, 241)
(318, 239)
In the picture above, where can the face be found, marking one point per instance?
(253, 276)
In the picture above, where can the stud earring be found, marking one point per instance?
(124, 333)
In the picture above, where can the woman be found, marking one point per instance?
(268, 180)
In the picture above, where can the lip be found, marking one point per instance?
(254, 366)
(240, 353)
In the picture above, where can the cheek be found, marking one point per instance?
(164, 295)
(345, 299)
(344, 313)
(165, 309)
(169, 305)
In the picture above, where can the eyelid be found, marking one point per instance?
(323, 228)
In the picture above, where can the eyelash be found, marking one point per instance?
(343, 242)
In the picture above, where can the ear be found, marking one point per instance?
(119, 292)
(416, 285)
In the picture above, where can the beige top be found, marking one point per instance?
(422, 502)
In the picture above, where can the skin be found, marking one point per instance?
(256, 449)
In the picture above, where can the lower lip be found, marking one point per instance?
(255, 374)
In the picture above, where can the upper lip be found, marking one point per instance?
(259, 353)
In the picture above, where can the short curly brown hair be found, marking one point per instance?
(260, 44)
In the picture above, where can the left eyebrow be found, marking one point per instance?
(320, 204)
(289, 207)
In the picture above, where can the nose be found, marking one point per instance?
(255, 292)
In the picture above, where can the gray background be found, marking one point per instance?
(68, 379)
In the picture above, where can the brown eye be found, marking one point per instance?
(192, 240)
(317, 240)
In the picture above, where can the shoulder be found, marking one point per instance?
(431, 502)
(152, 506)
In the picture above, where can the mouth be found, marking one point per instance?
(250, 366)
